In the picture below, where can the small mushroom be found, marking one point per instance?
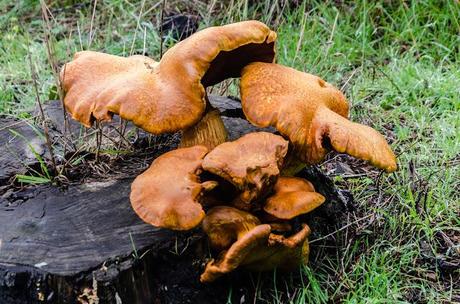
(170, 95)
(311, 113)
(224, 225)
(255, 247)
(292, 197)
(252, 163)
(169, 193)
(283, 253)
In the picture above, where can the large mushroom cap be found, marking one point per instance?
(255, 247)
(168, 194)
(311, 112)
(292, 197)
(98, 85)
(252, 163)
(217, 53)
(166, 96)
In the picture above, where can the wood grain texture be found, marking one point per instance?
(75, 230)
(61, 235)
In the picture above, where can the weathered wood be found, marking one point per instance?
(76, 244)
(65, 232)
(84, 243)
(69, 233)
(19, 140)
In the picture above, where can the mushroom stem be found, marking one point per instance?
(209, 131)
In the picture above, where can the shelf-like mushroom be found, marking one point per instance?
(292, 197)
(252, 163)
(170, 95)
(169, 193)
(255, 247)
(311, 113)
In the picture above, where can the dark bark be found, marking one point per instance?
(53, 242)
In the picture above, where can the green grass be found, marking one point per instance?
(398, 64)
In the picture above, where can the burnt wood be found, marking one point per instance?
(50, 239)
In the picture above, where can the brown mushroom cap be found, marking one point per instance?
(252, 163)
(292, 197)
(166, 96)
(217, 53)
(255, 248)
(311, 113)
(224, 225)
(168, 194)
(97, 85)
(235, 256)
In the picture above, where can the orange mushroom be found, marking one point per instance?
(170, 95)
(255, 248)
(169, 193)
(292, 197)
(224, 225)
(284, 253)
(311, 113)
(252, 163)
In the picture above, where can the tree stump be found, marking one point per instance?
(84, 244)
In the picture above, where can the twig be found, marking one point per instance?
(137, 27)
(153, 7)
(211, 8)
(280, 15)
(69, 160)
(90, 38)
(379, 187)
(42, 113)
(121, 133)
(449, 241)
(391, 80)
(340, 229)
(98, 140)
(52, 62)
(145, 41)
(270, 13)
(79, 36)
(302, 32)
(348, 80)
(16, 123)
(330, 41)
(351, 175)
(161, 27)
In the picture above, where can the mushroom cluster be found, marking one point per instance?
(242, 193)
(251, 225)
